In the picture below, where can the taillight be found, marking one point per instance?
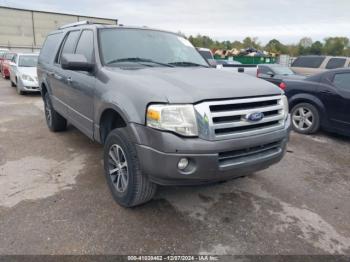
(283, 85)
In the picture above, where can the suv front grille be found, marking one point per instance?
(229, 118)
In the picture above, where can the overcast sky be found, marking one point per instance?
(286, 20)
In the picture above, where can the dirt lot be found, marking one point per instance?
(54, 198)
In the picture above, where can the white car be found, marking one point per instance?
(23, 72)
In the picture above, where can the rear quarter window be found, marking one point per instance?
(308, 61)
(49, 49)
(335, 63)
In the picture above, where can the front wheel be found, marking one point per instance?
(54, 120)
(305, 118)
(128, 185)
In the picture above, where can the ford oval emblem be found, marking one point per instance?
(255, 117)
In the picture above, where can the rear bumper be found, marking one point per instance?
(209, 161)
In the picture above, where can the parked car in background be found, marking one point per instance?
(149, 105)
(23, 73)
(3, 51)
(227, 62)
(322, 101)
(235, 66)
(311, 65)
(207, 55)
(275, 73)
(5, 65)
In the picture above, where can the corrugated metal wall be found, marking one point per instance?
(26, 30)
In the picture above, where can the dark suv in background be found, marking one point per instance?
(163, 115)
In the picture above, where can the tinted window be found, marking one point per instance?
(86, 45)
(308, 61)
(49, 49)
(264, 70)
(342, 81)
(69, 44)
(335, 63)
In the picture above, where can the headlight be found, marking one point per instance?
(27, 78)
(180, 119)
(285, 106)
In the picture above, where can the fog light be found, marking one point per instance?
(183, 163)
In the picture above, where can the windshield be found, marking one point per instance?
(282, 70)
(28, 61)
(120, 46)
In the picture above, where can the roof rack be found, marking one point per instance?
(81, 23)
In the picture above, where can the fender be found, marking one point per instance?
(98, 115)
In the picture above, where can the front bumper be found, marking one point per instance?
(28, 86)
(209, 161)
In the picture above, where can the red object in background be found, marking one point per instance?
(283, 86)
(5, 65)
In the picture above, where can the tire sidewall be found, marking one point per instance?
(119, 137)
(316, 118)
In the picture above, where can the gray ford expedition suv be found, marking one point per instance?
(163, 116)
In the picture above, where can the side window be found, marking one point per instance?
(49, 49)
(342, 81)
(69, 43)
(86, 45)
(308, 61)
(335, 63)
(263, 70)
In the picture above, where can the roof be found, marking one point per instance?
(89, 24)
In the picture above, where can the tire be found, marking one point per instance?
(305, 118)
(136, 188)
(54, 120)
(13, 84)
(19, 91)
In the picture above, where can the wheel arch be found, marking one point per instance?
(308, 98)
(110, 118)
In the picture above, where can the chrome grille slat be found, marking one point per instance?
(245, 123)
(227, 119)
(246, 111)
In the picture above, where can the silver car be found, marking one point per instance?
(23, 73)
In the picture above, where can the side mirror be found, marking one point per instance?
(76, 62)
(270, 74)
(240, 69)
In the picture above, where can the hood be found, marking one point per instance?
(190, 84)
(31, 71)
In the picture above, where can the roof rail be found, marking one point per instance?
(80, 23)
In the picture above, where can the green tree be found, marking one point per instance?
(336, 46)
(251, 42)
(316, 48)
(275, 46)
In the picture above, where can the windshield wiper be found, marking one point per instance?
(186, 63)
(137, 60)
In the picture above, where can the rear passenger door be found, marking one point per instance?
(59, 77)
(80, 86)
(341, 82)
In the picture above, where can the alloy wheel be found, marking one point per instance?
(303, 118)
(118, 168)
